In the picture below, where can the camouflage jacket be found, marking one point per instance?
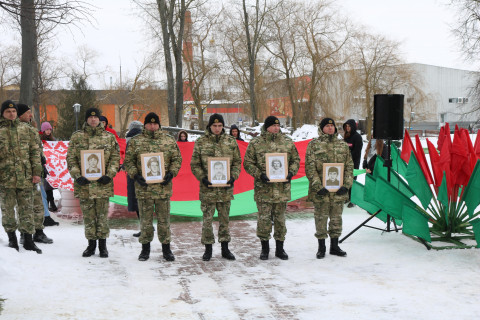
(19, 155)
(326, 149)
(254, 164)
(211, 145)
(152, 142)
(89, 138)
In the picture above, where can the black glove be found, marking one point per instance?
(322, 192)
(205, 182)
(289, 176)
(230, 182)
(82, 181)
(342, 191)
(104, 179)
(364, 164)
(264, 178)
(168, 177)
(141, 180)
(44, 160)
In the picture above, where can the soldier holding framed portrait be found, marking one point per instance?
(329, 169)
(152, 160)
(208, 153)
(93, 160)
(273, 148)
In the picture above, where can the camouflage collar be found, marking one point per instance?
(5, 122)
(93, 130)
(152, 134)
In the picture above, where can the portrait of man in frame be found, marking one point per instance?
(92, 164)
(219, 171)
(153, 167)
(332, 176)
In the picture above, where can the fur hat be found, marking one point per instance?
(152, 117)
(270, 121)
(45, 126)
(215, 118)
(326, 121)
(135, 124)
(6, 105)
(21, 109)
(92, 112)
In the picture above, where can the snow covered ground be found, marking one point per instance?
(384, 276)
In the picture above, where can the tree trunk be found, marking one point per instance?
(29, 51)
(162, 10)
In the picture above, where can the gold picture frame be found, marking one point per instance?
(277, 166)
(153, 167)
(333, 182)
(218, 171)
(92, 163)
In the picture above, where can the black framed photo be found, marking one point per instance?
(92, 164)
(332, 176)
(153, 167)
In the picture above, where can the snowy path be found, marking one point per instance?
(385, 276)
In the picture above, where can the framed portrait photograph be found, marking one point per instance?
(153, 167)
(92, 164)
(277, 166)
(332, 176)
(219, 171)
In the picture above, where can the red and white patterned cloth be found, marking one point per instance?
(56, 154)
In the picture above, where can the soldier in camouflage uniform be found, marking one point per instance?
(153, 197)
(327, 148)
(20, 170)
(25, 116)
(215, 143)
(94, 195)
(271, 198)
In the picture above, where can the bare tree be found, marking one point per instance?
(9, 70)
(375, 68)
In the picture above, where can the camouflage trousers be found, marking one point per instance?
(208, 209)
(95, 218)
(146, 208)
(266, 211)
(330, 208)
(38, 209)
(22, 198)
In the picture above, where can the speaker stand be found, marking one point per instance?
(388, 165)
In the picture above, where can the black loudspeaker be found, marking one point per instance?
(388, 116)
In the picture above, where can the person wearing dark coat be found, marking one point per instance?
(355, 144)
(134, 128)
(235, 132)
(375, 148)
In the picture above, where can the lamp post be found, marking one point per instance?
(76, 110)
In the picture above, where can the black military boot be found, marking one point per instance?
(279, 252)
(145, 254)
(22, 238)
(41, 237)
(48, 222)
(137, 234)
(321, 249)
(335, 249)
(30, 245)
(226, 253)
(208, 252)
(12, 240)
(52, 207)
(102, 247)
(92, 245)
(167, 253)
(265, 250)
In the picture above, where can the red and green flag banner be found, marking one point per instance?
(417, 182)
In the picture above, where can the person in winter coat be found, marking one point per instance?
(375, 148)
(94, 194)
(134, 128)
(104, 121)
(153, 197)
(327, 148)
(20, 171)
(271, 197)
(46, 134)
(355, 144)
(215, 143)
(182, 136)
(235, 132)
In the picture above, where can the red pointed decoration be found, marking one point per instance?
(441, 138)
(476, 146)
(434, 160)
(407, 147)
(460, 166)
(444, 165)
(422, 160)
